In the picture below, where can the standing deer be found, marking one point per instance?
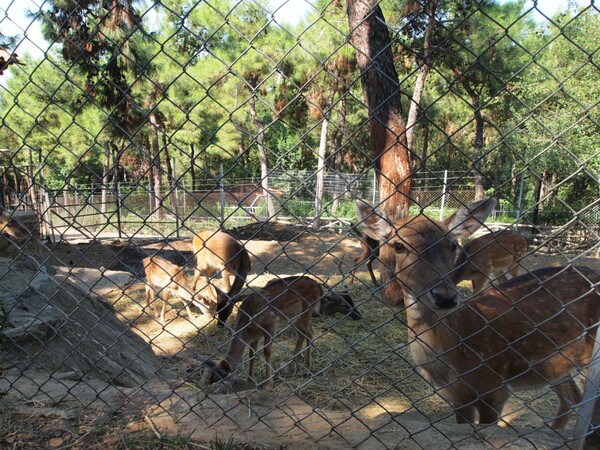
(534, 330)
(281, 302)
(490, 256)
(164, 276)
(370, 252)
(219, 252)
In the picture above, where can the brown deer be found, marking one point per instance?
(163, 276)
(218, 252)
(337, 302)
(370, 252)
(531, 331)
(490, 256)
(281, 302)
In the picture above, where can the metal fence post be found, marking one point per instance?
(444, 195)
(222, 194)
(176, 205)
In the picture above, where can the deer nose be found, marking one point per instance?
(444, 299)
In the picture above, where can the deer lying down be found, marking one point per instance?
(281, 302)
(490, 256)
(532, 331)
(163, 276)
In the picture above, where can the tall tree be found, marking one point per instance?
(370, 37)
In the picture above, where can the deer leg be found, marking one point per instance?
(514, 272)
(363, 256)
(165, 300)
(502, 278)
(267, 350)
(149, 296)
(252, 354)
(465, 414)
(197, 274)
(187, 308)
(568, 394)
(370, 268)
(226, 274)
(490, 406)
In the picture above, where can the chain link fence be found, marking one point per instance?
(181, 215)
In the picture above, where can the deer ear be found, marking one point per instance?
(373, 221)
(468, 219)
(225, 367)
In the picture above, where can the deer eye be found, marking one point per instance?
(399, 247)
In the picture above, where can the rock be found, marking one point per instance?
(63, 328)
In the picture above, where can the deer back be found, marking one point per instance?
(279, 302)
(217, 249)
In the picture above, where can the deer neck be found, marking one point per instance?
(430, 339)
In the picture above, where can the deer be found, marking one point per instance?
(337, 302)
(280, 303)
(490, 257)
(370, 252)
(218, 252)
(164, 276)
(534, 330)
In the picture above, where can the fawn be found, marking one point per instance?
(282, 302)
(164, 276)
(490, 256)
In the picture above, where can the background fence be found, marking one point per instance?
(130, 127)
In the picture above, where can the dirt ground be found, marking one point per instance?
(277, 250)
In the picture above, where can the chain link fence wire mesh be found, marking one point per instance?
(180, 183)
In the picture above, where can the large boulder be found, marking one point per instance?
(54, 324)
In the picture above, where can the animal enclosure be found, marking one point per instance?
(184, 186)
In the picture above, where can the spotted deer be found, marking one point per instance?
(218, 252)
(281, 303)
(490, 257)
(532, 331)
(165, 278)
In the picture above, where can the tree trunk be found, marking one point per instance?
(262, 154)
(370, 37)
(415, 104)
(425, 149)
(156, 166)
(336, 160)
(321, 167)
(478, 138)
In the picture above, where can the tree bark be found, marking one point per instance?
(370, 38)
(262, 154)
(415, 104)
